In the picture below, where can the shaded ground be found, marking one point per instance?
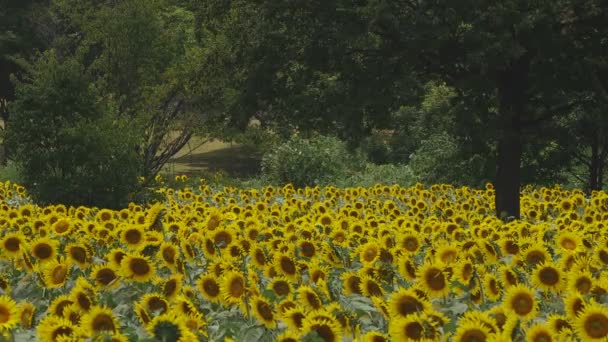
(235, 160)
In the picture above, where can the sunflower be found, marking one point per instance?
(280, 286)
(294, 318)
(58, 304)
(508, 276)
(558, 323)
(581, 281)
(405, 302)
(569, 241)
(535, 254)
(78, 254)
(492, 287)
(407, 267)
(521, 301)
(99, 319)
(471, 331)
(52, 328)
(26, 314)
(209, 287)
(233, 288)
(172, 286)
(62, 227)
(104, 276)
(288, 336)
(55, 273)
(369, 252)
(142, 313)
(351, 283)
(168, 327)
(447, 254)
(12, 244)
(133, 236)
(408, 242)
(262, 310)
(9, 313)
(44, 249)
(574, 304)
(592, 322)
(410, 328)
(326, 330)
(308, 298)
(370, 287)
(137, 268)
(286, 266)
(374, 336)
(83, 298)
(115, 257)
(434, 280)
(548, 277)
(154, 303)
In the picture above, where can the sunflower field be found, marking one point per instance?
(385, 263)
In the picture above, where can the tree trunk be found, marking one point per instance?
(594, 166)
(508, 174)
(512, 84)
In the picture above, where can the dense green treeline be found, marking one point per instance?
(463, 91)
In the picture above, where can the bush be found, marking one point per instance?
(373, 174)
(308, 162)
(69, 145)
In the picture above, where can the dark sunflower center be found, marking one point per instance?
(596, 325)
(139, 266)
(549, 276)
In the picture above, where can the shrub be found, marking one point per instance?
(307, 162)
(69, 144)
(373, 174)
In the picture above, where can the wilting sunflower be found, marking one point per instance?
(470, 331)
(55, 273)
(521, 301)
(326, 330)
(9, 313)
(104, 276)
(433, 279)
(405, 302)
(52, 328)
(262, 310)
(12, 244)
(44, 249)
(97, 320)
(137, 268)
(233, 288)
(26, 314)
(169, 327)
(592, 322)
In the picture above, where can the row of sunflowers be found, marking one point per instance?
(386, 263)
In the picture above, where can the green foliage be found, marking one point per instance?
(307, 162)
(373, 174)
(71, 147)
(11, 172)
